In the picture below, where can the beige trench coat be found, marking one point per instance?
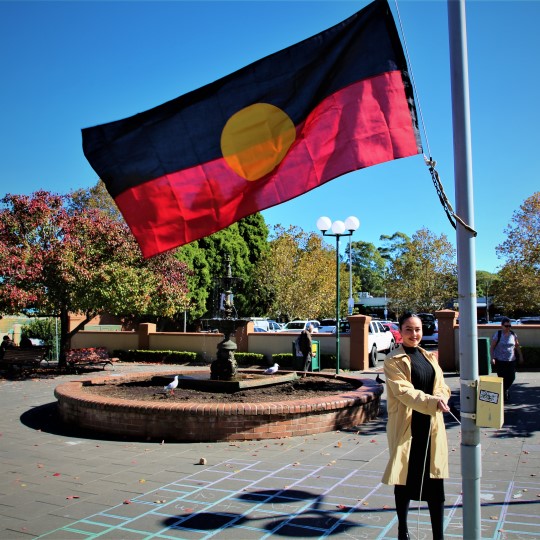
(402, 399)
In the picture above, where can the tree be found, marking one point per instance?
(245, 242)
(297, 275)
(518, 290)
(369, 266)
(96, 197)
(57, 258)
(394, 246)
(424, 277)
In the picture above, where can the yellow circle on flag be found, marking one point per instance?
(256, 139)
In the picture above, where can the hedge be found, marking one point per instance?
(183, 357)
(159, 357)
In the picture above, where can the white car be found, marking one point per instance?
(299, 325)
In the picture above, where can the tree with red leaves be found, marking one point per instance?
(57, 258)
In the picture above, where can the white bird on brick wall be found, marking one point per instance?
(172, 385)
(272, 370)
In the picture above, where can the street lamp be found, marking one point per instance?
(338, 228)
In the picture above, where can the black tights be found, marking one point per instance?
(436, 513)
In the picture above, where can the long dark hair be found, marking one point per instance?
(405, 316)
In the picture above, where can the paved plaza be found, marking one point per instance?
(56, 483)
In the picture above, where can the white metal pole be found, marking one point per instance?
(468, 338)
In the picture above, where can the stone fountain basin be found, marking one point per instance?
(246, 379)
(192, 421)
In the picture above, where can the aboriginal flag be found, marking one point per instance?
(271, 131)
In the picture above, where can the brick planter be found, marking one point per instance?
(215, 422)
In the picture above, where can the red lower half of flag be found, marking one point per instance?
(367, 123)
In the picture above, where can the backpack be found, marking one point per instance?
(499, 333)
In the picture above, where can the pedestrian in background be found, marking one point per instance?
(505, 352)
(417, 397)
(304, 345)
(6, 344)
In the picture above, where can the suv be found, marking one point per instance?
(380, 339)
(298, 326)
(430, 329)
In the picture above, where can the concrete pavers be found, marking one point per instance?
(57, 484)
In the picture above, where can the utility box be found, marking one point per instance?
(489, 402)
(315, 356)
(298, 358)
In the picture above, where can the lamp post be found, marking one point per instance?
(338, 228)
(350, 304)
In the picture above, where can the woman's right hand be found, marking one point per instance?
(442, 405)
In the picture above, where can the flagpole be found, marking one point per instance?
(468, 338)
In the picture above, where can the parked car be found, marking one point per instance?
(273, 326)
(529, 320)
(430, 329)
(299, 325)
(394, 328)
(329, 326)
(379, 340)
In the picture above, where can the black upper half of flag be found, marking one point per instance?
(186, 131)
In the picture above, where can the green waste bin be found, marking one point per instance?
(298, 359)
(484, 356)
(315, 356)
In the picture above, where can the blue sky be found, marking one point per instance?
(68, 65)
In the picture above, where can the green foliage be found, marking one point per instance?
(159, 357)
(58, 258)
(369, 266)
(96, 197)
(44, 329)
(199, 280)
(297, 275)
(424, 277)
(517, 291)
(284, 360)
(245, 242)
(249, 359)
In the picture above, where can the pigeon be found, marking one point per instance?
(272, 370)
(172, 385)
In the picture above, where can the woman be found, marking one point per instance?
(504, 346)
(417, 397)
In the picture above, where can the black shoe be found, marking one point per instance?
(403, 536)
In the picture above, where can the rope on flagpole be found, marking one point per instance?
(443, 198)
(430, 162)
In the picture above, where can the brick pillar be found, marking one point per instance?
(241, 336)
(145, 329)
(359, 360)
(447, 347)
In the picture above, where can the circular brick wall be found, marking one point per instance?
(216, 422)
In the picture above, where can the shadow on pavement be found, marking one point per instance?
(46, 418)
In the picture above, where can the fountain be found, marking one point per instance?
(219, 421)
(224, 367)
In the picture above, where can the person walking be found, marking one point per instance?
(304, 345)
(505, 351)
(417, 397)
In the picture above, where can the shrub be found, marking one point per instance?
(44, 329)
(249, 359)
(159, 357)
(285, 360)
